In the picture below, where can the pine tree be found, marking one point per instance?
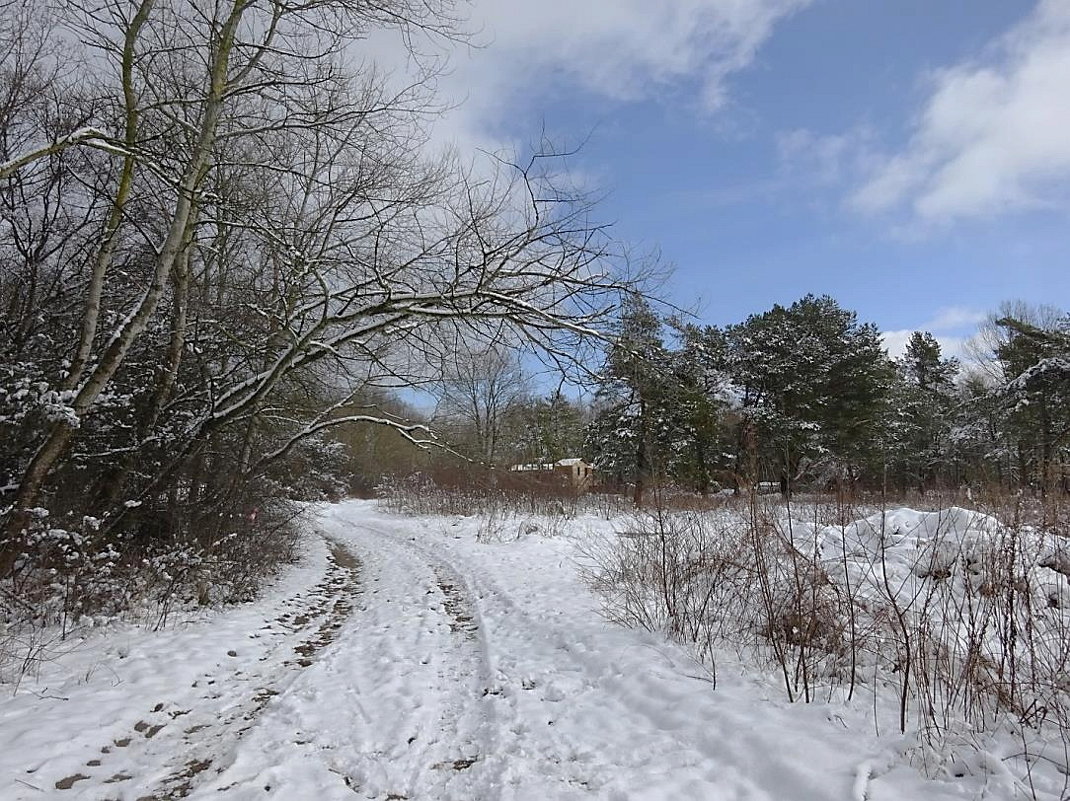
(925, 401)
(1036, 364)
(545, 430)
(699, 368)
(813, 385)
(980, 432)
(636, 418)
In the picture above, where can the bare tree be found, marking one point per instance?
(256, 239)
(477, 389)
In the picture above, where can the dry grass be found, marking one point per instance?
(967, 629)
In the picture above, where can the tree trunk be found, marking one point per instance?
(110, 239)
(55, 445)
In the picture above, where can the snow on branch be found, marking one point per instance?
(408, 430)
(92, 137)
(1051, 368)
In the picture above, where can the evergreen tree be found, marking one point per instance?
(545, 430)
(699, 369)
(814, 386)
(1036, 364)
(980, 432)
(636, 418)
(925, 401)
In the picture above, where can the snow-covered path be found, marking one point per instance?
(405, 660)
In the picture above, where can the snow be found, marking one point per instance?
(410, 658)
(86, 134)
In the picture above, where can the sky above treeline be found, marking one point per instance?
(909, 158)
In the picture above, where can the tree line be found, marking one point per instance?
(806, 396)
(800, 396)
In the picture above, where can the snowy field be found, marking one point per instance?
(404, 658)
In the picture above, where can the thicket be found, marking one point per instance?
(953, 625)
(222, 236)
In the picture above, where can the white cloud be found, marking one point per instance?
(629, 48)
(948, 325)
(823, 159)
(622, 50)
(992, 135)
(952, 318)
(896, 343)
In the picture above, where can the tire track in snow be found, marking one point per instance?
(523, 704)
(215, 741)
(581, 713)
(181, 742)
(446, 747)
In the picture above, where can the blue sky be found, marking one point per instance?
(910, 158)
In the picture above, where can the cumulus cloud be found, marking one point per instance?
(621, 50)
(992, 135)
(627, 49)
